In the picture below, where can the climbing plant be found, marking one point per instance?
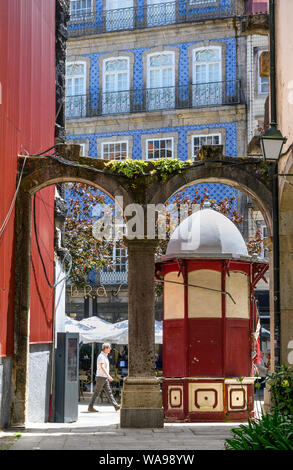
(162, 167)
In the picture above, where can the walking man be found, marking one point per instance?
(103, 378)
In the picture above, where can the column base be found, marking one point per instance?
(141, 418)
(142, 403)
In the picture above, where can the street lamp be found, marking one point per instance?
(272, 144)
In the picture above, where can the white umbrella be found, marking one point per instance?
(94, 329)
(94, 322)
(74, 326)
(101, 330)
(120, 332)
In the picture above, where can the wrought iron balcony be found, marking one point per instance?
(149, 16)
(113, 277)
(154, 99)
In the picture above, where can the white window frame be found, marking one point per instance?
(80, 15)
(259, 78)
(80, 101)
(195, 136)
(114, 262)
(112, 108)
(198, 49)
(160, 138)
(105, 73)
(161, 67)
(157, 96)
(207, 93)
(115, 143)
(82, 149)
(79, 62)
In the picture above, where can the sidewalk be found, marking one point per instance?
(101, 431)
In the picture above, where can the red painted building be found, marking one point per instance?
(27, 126)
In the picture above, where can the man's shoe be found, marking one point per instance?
(92, 410)
(117, 408)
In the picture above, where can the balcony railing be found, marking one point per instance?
(113, 277)
(154, 99)
(138, 17)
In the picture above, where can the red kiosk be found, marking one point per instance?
(209, 317)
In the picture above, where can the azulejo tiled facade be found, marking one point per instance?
(194, 26)
(142, 13)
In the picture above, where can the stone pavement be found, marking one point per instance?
(101, 431)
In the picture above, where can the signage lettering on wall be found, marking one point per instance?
(90, 291)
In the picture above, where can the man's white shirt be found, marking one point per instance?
(102, 359)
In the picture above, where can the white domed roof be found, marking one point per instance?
(206, 233)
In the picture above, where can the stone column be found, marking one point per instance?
(141, 394)
(21, 307)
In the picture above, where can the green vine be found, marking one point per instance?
(129, 168)
(163, 167)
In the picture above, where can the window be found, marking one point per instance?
(76, 89)
(207, 72)
(263, 82)
(116, 86)
(160, 12)
(160, 81)
(159, 148)
(115, 150)
(118, 17)
(118, 259)
(82, 151)
(263, 85)
(80, 9)
(199, 140)
(117, 269)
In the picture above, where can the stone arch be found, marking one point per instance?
(242, 178)
(238, 177)
(38, 174)
(54, 172)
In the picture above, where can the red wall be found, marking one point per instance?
(27, 116)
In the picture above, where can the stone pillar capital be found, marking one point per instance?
(144, 243)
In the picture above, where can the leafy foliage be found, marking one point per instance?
(254, 244)
(129, 168)
(162, 167)
(281, 387)
(87, 253)
(271, 432)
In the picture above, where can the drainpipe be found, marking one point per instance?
(276, 246)
(249, 47)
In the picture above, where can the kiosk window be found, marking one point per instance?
(72, 360)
